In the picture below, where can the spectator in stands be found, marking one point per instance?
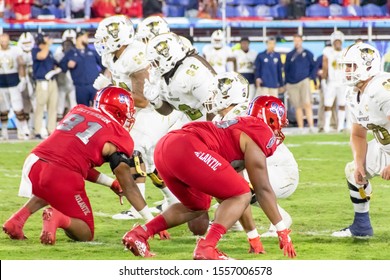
(2, 8)
(351, 3)
(46, 91)
(152, 8)
(295, 8)
(192, 9)
(22, 9)
(299, 68)
(104, 8)
(85, 65)
(245, 60)
(208, 9)
(131, 8)
(268, 70)
(78, 9)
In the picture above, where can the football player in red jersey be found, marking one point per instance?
(54, 172)
(200, 169)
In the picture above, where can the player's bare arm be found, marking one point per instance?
(256, 165)
(359, 149)
(137, 84)
(324, 67)
(234, 60)
(122, 172)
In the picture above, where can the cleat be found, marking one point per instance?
(205, 252)
(237, 227)
(269, 233)
(136, 240)
(352, 231)
(13, 230)
(126, 215)
(48, 234)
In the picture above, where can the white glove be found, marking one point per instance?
(152, 93)
(52, 73)
(101, 82)
(22, 84)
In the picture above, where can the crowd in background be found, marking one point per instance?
(27, 9)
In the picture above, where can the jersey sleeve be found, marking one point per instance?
(122, 140)
(382, 98)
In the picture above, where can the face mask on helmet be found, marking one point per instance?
(26, 41)
(164, 51)
(359, 63)
(150, 27)
(113, 33)
(117, 104)
(217, 39)
(272, 111)
(226, 89)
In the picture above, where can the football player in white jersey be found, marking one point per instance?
(335, 89)
(228, 100)
(245, 58)
(12, 83)
(218, 54)
(179, 78)
(26, 43)
(66, 90)
(368, 100)
(124, 58)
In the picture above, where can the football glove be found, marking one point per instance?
(285, 243)
(22, 84)
(256, 246)
(116, 188)
(101, 82)
(164, 235)
(152, 93)
(52, 73)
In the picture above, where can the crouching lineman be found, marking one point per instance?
(204, 150)
(368, 100)
(228, 100)
(102, 134)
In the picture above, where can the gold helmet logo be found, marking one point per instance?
(367, 55)
(113, 30)
(154, 28)
(224, 85)
(162, 48)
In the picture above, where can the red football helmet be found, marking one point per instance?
(116, 103)
(272, 111)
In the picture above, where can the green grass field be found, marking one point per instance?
(319, 206)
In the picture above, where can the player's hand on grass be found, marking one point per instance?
(285, 243)
(116, 188)
(256, 247)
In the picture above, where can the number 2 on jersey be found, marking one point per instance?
(73, 120)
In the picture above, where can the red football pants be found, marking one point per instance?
(194, 173)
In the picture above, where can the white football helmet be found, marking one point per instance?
(113, 33)
(226, 89)
(164, 51)
(26, 41)
(69, 34)
(360, 62)
(337, 35)
(217, 39)
(150, 27)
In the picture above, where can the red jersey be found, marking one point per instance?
(224, 137)
(77, 143)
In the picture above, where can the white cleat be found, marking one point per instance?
(346, 232)
(126, 215)
(269, 233)
(237, 227)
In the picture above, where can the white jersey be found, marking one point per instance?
(335, 72)
(188, 88)
(9, 60)
(371, 108)
(130, 61)
(217, 57)
(245, 61)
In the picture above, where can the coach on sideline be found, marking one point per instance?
(84, 65)
(299, 69)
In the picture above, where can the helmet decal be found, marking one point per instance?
(113, 30)
(224, 85)
(162, 48)
(367, 55)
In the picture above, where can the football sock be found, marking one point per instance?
(215, 233)
(21, 216)
(141, 187)
(156, 225)
(61, 219)
(169, 196)
(340, 119)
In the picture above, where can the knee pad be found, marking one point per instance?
(20, 116)
(156, 180)
(135, 162)
(4, 116)
(359, 194)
